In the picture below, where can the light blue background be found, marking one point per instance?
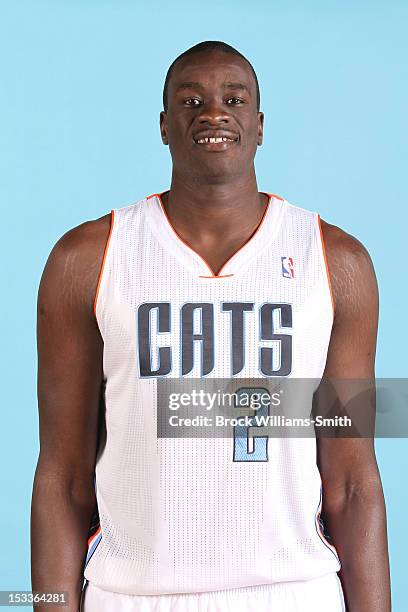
(80, 96)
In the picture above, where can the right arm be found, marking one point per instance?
(70, 350)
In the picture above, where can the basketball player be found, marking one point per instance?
(129, 299)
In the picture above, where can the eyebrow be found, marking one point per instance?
(237, 86)
(190, 85)
(227, 85)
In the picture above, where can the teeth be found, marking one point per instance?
(214, 140)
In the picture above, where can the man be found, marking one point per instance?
(263, 288)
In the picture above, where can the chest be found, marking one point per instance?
(162, 313)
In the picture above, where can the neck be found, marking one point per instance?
(215, 220)
(212, 195)
(224, 209)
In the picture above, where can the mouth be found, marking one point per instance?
(216, 142)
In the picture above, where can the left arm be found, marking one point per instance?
(353, 502)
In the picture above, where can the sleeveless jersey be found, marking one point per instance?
(182, 515)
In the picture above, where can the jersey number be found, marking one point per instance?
(242, 440)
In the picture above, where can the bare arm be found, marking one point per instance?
(353, 501)
(69, 382)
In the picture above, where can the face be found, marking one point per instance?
(212, 125)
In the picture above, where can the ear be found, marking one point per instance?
(260, 128)
(163, 127)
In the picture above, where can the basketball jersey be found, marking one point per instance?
(188, 514)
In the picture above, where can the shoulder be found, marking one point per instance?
(351, 270)
(347, 257)
(82, 245)
(75, 260)
(84, 240)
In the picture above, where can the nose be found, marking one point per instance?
(213, 113)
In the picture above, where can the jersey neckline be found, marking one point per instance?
(167, 235)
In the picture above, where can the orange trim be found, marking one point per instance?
(320, 531)
(274, 196)
(333, 548)
(217, 276)
(94, 536)
(212, 275)
(105, 252)
(325, 261)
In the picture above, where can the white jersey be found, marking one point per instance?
(181, 515)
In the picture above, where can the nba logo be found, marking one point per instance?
(287, 267)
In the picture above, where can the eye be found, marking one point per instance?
(235, 101)
(192, 101)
